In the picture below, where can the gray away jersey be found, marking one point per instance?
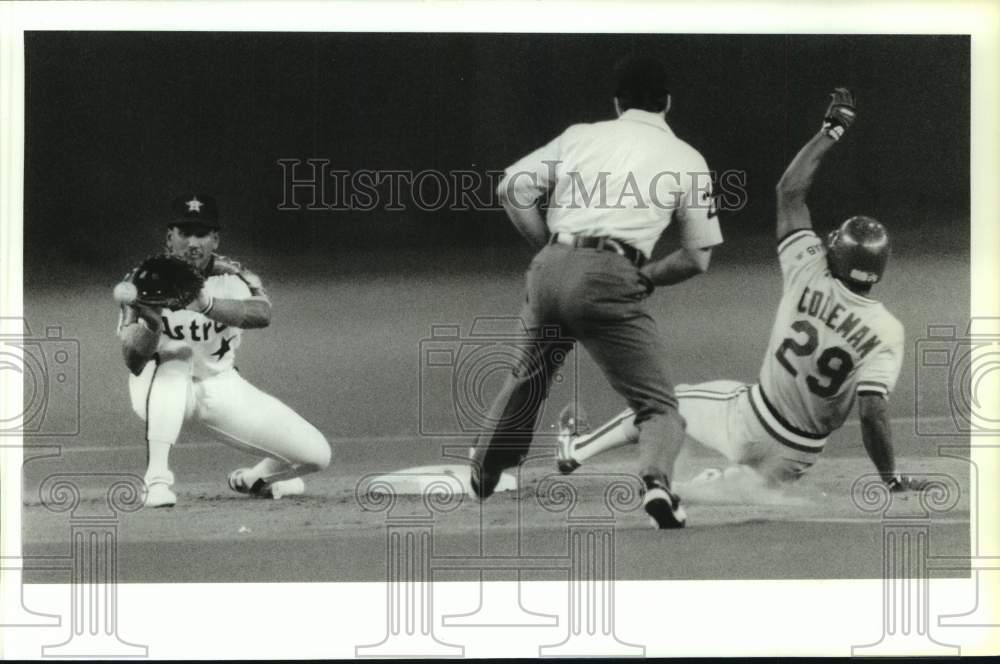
(827, 345)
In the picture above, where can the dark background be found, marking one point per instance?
(117, 123)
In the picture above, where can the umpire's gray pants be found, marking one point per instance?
(596, 297)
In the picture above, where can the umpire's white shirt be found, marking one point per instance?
(624, 178)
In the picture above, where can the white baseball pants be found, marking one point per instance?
(166, 396)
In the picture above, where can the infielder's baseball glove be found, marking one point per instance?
(166, 281)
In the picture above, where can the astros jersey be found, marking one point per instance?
(213, 344)
(827, 345)
(625, 179)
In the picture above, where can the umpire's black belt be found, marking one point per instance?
(600, 242)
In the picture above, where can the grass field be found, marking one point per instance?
(346, 353)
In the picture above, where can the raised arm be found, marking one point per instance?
(792, 189)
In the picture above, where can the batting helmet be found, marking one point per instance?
(858, 251)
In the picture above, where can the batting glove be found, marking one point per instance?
(840, 113)
(898, 483)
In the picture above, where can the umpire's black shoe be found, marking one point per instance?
(488, 463)
(663, 504)
(483, 483)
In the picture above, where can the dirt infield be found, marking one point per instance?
(348, 357)
(815, 530)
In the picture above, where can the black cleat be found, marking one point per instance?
(663, 505)
(483, 483)
(490, 460)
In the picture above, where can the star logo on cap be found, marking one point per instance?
(194, 205)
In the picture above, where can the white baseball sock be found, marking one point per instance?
(166, 403)
(617, 432)
(158, 468)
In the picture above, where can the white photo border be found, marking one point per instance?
(669, 617)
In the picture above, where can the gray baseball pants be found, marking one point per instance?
(596, 297)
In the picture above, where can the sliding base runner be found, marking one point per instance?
(831, 345)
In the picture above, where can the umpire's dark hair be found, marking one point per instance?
(641, 82)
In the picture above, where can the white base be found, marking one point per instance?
(444, 478)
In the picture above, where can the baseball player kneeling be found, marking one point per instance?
(182, 319)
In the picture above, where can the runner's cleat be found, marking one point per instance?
(572, 424)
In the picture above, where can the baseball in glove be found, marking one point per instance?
(166, 281)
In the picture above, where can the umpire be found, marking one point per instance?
(612, 188)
